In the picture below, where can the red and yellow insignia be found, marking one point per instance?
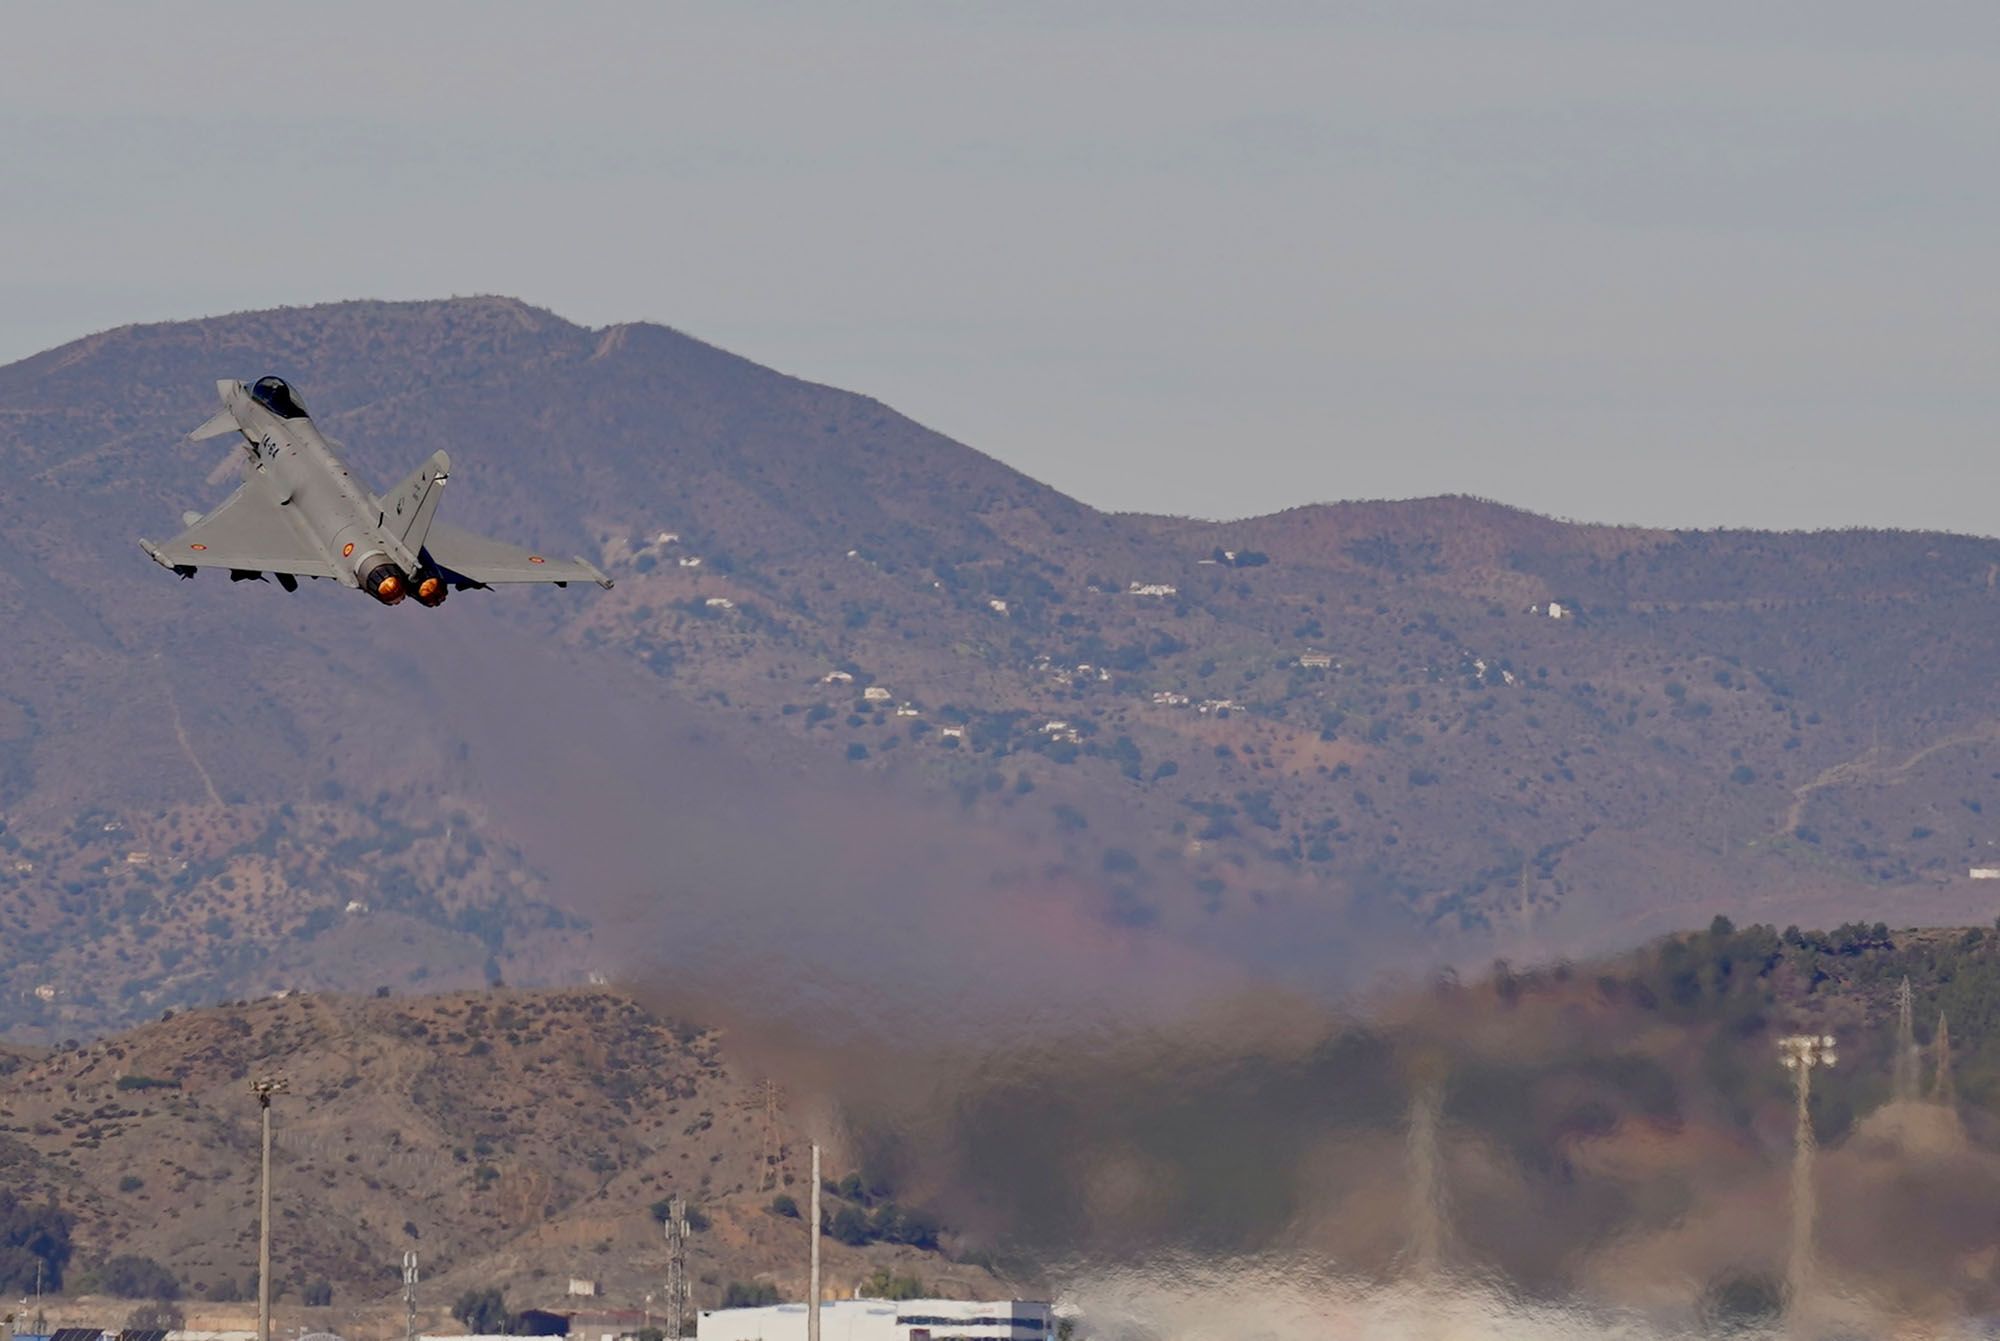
(347, 550)
(197, 547)
(536, 558)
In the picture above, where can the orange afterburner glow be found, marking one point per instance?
(390, 588)
(431, 591)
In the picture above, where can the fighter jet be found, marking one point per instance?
(300, 513)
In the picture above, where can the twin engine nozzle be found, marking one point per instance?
(387, 584)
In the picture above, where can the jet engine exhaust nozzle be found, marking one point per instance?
(431, 590)
(385, 584)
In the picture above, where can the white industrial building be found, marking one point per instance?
(884, 1320)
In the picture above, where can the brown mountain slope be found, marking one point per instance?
(1277, 741)
(513, 1139)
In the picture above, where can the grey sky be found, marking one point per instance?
(1685, 264)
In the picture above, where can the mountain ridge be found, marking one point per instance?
(1283, 739)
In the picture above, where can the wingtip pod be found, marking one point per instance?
(153, 553)
(596, 573)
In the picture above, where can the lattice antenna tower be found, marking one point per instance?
(678, 1288)
(410, 1296)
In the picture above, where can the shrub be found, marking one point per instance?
(130, 1276)
(157, 1316)
(755, 1295)
(483, 1311)
(31, 1235)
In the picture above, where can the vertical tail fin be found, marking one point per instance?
(408, 508)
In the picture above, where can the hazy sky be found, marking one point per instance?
(1695, 263)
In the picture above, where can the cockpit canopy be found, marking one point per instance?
(277, 397)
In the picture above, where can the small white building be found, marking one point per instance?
(1152, 589)
(875, 693)
(582, 1288)
(690, 560)
(1984, 873)
(951, 733)
(836, 677)
(996, 605)
(719, 603)
(1557, 610)
(1316, 660)
(1167, 698)
(884, 1320)
(908, 710)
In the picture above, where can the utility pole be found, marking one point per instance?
(264, 1087)
(812, 1296)
(678, 1288)
(410, 1295)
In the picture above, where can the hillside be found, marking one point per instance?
(1613, 1133)
(1299, 741)
(512, 1139)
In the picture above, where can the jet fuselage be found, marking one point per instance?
(310, 481)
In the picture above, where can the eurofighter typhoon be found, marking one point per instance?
(300, 513)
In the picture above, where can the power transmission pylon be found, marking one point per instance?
(771, 1100)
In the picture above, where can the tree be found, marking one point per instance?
(31, 1235)
(755, 1295)
(483, 1311)
(882, 1285)
(318, 1294)
(130, 1276)
(850, 1226)
(785, 1206)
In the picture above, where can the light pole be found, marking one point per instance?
(264, 1087)
(812, 1286)
(1799, 1054)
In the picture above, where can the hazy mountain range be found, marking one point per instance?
(868, 698)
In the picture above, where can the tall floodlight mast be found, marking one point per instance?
(1800, 1054)
(264, 1088)
(812, 1297)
